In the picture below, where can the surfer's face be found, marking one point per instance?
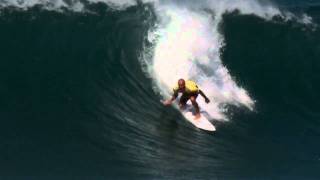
(182, 87)
(181, 84)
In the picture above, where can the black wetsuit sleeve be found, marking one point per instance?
(175, 94)
(202, 94)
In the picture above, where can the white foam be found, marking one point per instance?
(187, 45)
(75, 5)
(220, 7)
(25, 4)
(117, 4)
(266, 11)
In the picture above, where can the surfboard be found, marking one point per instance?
(202, 122)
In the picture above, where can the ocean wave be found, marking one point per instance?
(187, 43)
(75, 78)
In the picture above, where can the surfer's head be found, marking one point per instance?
(181, 84)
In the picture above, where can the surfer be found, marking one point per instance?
(189, 90)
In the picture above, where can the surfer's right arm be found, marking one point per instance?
(204, 96)
(169, 101)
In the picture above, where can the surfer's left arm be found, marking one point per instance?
(204, 96)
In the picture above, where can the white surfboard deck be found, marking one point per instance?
(201, 123)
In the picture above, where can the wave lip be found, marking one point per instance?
(25, 4)
(266, 11)
(75, 5)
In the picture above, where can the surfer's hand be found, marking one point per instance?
(207, 100)
(166, 102)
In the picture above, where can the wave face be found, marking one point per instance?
(82, 81)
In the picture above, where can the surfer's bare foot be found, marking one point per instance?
(197, 116)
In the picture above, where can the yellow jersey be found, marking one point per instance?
(191, 87)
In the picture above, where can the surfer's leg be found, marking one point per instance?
(183, 101)
(195, 105)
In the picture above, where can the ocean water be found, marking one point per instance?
(81, 85)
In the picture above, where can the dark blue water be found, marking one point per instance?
(76, 104)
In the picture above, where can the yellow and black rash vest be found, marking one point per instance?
(191, 87)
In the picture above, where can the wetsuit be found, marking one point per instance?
(191, 89)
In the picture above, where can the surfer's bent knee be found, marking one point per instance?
(193, 99)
